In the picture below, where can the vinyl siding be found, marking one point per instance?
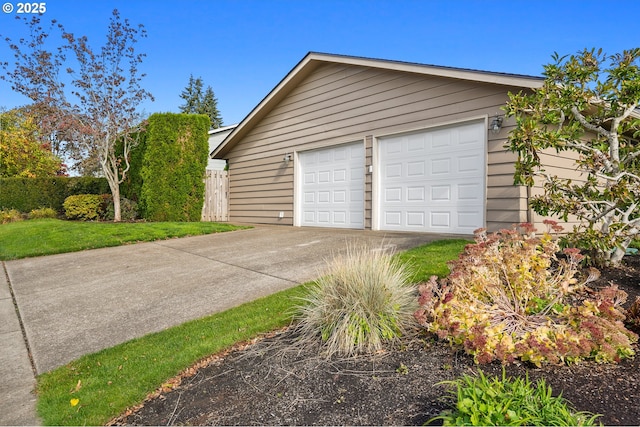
(338, 104)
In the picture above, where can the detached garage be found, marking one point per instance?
(360, 143)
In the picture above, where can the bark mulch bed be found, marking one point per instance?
(269, 382)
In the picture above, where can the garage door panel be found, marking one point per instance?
(472, 192)
(470, 164)
(440, 193)
(440, 219)
(441, 166)
(468, 219)
(415, 194)
(416, 219)
(332, 193)
(433, 180)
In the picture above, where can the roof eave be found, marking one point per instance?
(312, 60)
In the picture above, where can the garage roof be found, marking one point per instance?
(313, 60)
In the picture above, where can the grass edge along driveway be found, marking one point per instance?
(40, 237)
(98, 387)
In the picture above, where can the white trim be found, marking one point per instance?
(448, 123)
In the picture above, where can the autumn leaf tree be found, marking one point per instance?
(587, 105)
(36, 75)
(97, 107)
(22, 154)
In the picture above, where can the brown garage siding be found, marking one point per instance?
(339, 104)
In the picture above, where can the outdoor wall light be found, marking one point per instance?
(287, 158)
(496, 124)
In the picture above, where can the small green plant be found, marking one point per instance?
(10, 215)
(510, 296)
(43, 213)
(402, 369)
(363, 301)
(483, 401)
(84, 207)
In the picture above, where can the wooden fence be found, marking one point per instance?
(216, 196)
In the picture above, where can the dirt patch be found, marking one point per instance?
(270, 383)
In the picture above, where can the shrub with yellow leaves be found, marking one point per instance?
(515, 295)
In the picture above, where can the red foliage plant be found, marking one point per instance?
(514, 295)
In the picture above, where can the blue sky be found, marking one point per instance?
(243, 48)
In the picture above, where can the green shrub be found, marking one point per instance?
(128, 209)
(510, 296)
(85, 207)
(174, 164)
(27, 194)
(43, 213)
(481, 401)
(362, 301)
(10, 215)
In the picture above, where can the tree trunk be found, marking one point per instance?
(617, 255)
(115, 194)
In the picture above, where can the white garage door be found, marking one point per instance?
(332, 187)
(433, 180)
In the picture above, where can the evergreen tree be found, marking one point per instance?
(197, 102)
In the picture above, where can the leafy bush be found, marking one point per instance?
(10, 215)
(43, 213)
(362, 301)
(128, 209)
(85, 207)
(481, 401)
(511, 296)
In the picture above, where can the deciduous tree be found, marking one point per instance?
(100, 107)
(587, 105)
(21, 152)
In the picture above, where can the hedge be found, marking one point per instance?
(27, 194)
(173, 167)
(131, 187)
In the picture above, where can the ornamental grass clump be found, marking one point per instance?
(513, 295)
(363, 301)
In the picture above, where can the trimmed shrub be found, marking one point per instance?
(43, 213)
(10, 215)
(510, 296)
(363, 301)
(128, 209)
(27, 194)
(84, 207)
(482, 401)
(174, 166)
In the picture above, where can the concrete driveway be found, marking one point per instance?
(60, 307)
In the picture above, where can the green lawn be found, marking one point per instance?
(52, 236)
(107, 382)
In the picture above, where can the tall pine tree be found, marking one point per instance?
(199, 102)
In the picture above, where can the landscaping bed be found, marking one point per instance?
(271, 382)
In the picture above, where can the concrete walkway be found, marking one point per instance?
(79, 303)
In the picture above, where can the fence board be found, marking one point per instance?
(216, 196)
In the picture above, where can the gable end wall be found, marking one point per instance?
(339, 104)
